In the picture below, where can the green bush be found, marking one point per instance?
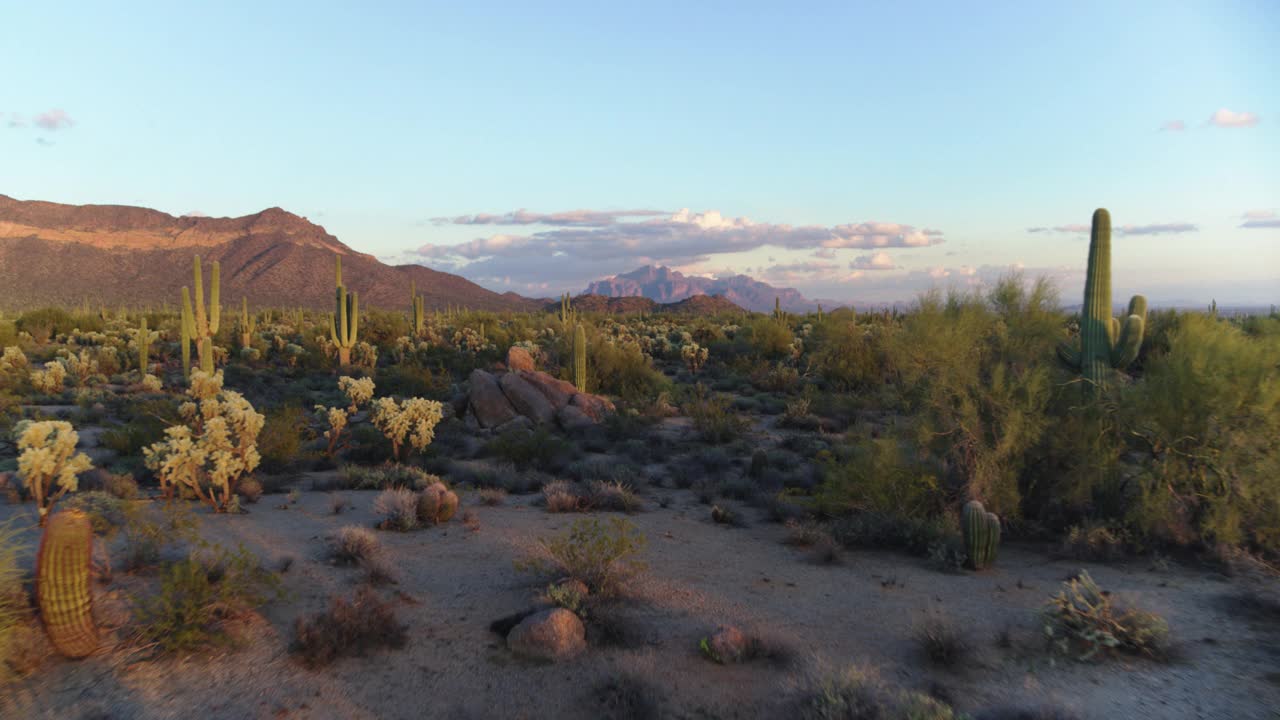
(1208, 413)
(198, 593)
(281, 441)
(598, 554)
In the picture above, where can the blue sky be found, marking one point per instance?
(841, 132)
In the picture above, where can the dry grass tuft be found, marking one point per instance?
(348, 628)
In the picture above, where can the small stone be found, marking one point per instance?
(555, 635)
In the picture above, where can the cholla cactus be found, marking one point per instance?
(337, 421)
(413, 420)
(364, 355)
(48, 462)
(150, 384)
(14, 360)
(82, 366)
(49, 380)
(358, 392)
(215, 449)
(694, 356)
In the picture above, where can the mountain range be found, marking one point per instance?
(664, 285)
(55, 254)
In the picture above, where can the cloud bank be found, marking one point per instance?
(1173, 228)
(583, 244)
(1225, 118)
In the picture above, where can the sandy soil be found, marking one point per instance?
(454, 582)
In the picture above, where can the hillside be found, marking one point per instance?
(53, 254)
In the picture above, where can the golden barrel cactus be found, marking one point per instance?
(62, 583)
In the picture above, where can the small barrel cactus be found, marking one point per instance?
(436, 504)
(981, 534)
(62, 583)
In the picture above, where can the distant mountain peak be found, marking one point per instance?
(664, 285)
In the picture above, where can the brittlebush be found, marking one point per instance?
(215, 449)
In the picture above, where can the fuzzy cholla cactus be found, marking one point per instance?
(358, 392)
(336, 418)
(83, 366)
(48, 462)
(49, 380)
(215, 449)
(694, 356)
(413, 420)
(13, 360)
(150, 384)
(364, 355)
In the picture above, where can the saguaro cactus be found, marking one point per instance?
(203, 327)
(186, 324)
(981, 534)
(580, 358)
(346, 320)
(62, 583)
(1106, 343)
(419, 317)
(144, 346)
(248, 323)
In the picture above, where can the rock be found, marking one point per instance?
(594, 406)
(517, 423)
(727, 645)
(526, 399)
(572, 418)
(490, 407)
(556, 390)
(519, 359)
(555, 635)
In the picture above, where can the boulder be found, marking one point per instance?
(594, 406)
(517, 423)
(556, 390)
(489, 406)
(519, 359)
(553, 635)
(572, 418)
(727, 645)
(526, 399)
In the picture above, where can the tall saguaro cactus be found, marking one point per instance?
(62, 583)
(419, 311)
(144, 346)
(568, 315)
(1106, 343)
(580, 359)
(248, 323)
(201, 327)
(346, 320)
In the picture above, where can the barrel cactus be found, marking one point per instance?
(62, 583)
(436, 504)
(1106, 342)
(981, 534)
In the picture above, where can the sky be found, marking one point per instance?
(855, 151)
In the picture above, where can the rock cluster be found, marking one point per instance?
(523, 397)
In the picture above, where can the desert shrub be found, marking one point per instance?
(145, 537)
(613, 496)
(383, 477)
(627, 696)
(768, 338)
(1098, 542)
(848, 357)
(942, 641)
(413, 380)
(1083, 620)
(353, 545)
(348, 628)
(198, 593)
(713, 418)
(974, 375)
(886, 531)
(44, 323)
(1208, 412)
(539, 449)
(622, 370)
(282, 437)
(398, 508)
(598, 554)
(878, 476)
(106, 512)
(560, 496)
(858, 694)
(493, 496)
(120, 485)
(250, 489)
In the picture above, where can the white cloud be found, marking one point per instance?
(1151, 229)
(1225, 118)
(874, 261)
(1173, 126)
(54, 120)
